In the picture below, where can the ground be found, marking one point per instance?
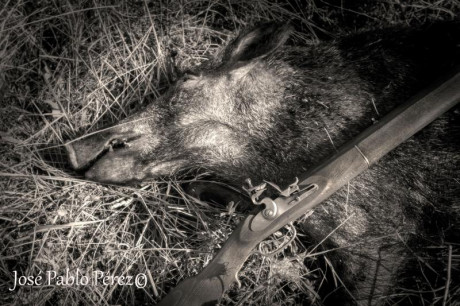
(70, 67)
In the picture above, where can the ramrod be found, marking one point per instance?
(266, 109)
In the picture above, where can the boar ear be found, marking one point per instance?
(257, 42)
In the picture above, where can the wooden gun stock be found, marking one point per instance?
(353, 158)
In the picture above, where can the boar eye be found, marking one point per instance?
(189, 75)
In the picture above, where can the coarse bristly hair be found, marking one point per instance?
(271, 111)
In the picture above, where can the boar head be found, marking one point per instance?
(217, 119)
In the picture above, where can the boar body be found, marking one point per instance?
(267, 110)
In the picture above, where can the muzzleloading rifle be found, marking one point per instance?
(317, 185)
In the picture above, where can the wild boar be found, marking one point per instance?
(266, 109)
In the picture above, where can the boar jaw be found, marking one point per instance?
(126, 165)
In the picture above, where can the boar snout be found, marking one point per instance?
(82, 152)
(113, 155)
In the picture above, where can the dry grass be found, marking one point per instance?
(71, 67)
